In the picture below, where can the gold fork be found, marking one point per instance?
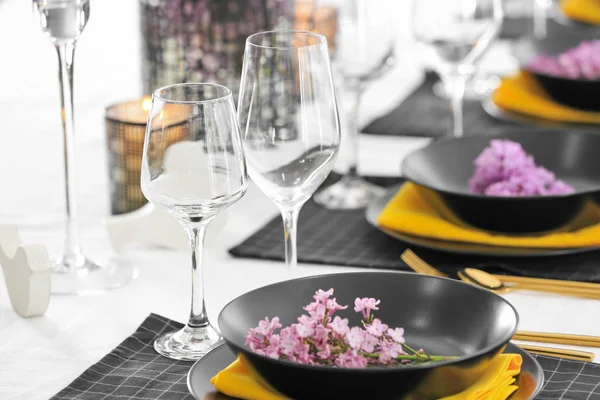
(422, 267)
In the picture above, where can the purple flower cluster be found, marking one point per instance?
(505, 169)
(582, 62)
(320, 338)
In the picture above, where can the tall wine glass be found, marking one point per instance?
(288, 114)
(453, 35)
(63, 21)
(193, 179)
(365, 42)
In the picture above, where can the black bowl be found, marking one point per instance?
(442, 316)
(446, 166)
(577, 93)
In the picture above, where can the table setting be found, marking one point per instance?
(377, 199)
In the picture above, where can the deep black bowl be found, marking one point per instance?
(577, 93)
(446, 166)
(442, 316)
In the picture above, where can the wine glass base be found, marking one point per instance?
(348, 193)
(83, 277)
(188, 344)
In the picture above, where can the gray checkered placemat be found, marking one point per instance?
(348, 239)
(135, 371)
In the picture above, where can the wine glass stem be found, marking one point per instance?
(198, 317)
(354, 95)
(66, 54)
(455, 88)
(290, 223)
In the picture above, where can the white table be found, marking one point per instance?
(40, 356)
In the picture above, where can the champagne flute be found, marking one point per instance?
(63, 21)
(193, 179)
(290, 126)
(365, 43)
(453, 35)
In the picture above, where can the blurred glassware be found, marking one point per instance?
(63, 21)
(208, 175)
(453, 35)
(364, 51)
(290, 125)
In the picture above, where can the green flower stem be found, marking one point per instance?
(410, 349)
(418, 357)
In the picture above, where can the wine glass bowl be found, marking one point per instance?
(287, 110)
(62, 21)
(193, 179)
(365, 50)
(453, 35)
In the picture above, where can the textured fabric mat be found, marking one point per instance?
(134, 370)
(344, 237)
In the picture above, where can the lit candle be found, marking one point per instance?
(125, 132)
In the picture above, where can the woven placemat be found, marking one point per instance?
(344, 237)
(134, 370)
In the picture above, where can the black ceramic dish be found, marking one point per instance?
(375, 208)
(446, 166)
(442, 316)
(576, 93)
(203, 370)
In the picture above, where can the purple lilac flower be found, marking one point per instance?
(505, 169)
(320, 338)
(580, 62)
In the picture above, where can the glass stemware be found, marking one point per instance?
(454, 34)
(288, 114)
(63, 21)
(194, 179)
(364, 50)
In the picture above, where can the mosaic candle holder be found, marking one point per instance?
(203, 40)
(125, 131)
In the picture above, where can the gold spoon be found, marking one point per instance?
(489, 281)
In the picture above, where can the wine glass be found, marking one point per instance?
(453, 35)
(364, 50)
(290, 125)
(194, 179)
(63, 21)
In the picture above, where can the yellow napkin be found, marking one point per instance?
(522, 94)
(587, 11)
(497, 383)
(417, 211)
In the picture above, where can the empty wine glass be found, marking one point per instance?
(288, 114)
(193, 179)
(453, 35)
(63, 21)
(364, 50)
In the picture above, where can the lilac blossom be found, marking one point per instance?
(580, 62)
(320, 338)
(505, 169)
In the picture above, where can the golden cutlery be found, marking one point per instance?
(558, 338)
(552, 282)
(488, 281)
(560, 353)
(492, 282)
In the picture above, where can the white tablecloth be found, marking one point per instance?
(40, 356)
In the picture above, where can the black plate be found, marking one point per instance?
(577, 93)
(501, 114)
(375, 208)
(443, 316)
(204, 369)
(446, 165)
